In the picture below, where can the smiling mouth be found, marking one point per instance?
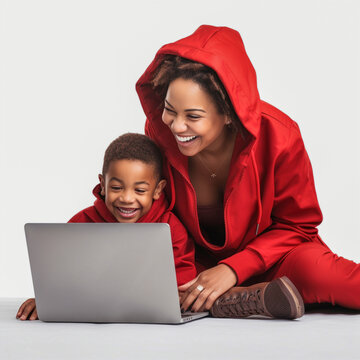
(127, 212)
(185, 139)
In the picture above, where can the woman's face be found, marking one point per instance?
(192, 117)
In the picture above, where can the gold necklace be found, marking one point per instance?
(212, 173)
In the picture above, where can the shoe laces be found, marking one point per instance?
(245, 303)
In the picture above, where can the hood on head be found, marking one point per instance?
(221, 49)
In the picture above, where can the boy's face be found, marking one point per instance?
(130, 187)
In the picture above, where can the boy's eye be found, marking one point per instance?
(141, 191)
(116, 188)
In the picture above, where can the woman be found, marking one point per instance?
(241, 180)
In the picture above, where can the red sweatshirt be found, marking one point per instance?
(182, 247)
(270, 203)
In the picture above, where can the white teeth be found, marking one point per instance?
(185, 138)
(127, 211)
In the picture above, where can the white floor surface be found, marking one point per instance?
(320, 334)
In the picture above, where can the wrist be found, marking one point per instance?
(232, 274)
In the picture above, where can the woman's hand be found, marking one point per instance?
(206, 288)
(27, 310)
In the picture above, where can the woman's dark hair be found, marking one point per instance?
(132, 146)
(173, 67)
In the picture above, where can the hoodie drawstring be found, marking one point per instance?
(258, 196)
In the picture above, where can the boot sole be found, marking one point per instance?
(292, 307)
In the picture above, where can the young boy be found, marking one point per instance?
(131, 190)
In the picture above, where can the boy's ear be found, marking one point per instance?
(159, 188)
(102, 184)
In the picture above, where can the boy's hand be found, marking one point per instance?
(27, 310)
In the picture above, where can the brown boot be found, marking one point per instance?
(277, 299)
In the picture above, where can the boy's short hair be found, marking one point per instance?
(132, 146)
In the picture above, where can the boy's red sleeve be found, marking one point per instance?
(81, 217)
(88, 215)
(184, 251)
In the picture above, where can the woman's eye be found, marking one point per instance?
(169, 110)
(193, 117)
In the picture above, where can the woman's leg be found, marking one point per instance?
(320, 275)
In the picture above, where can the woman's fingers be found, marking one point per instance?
(205, 300)
(184, 287)
(189, 297)
(207, 287)
(210, 301)
(201, 300)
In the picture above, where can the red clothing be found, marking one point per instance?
(182, 247)
(319, 275)
(270, 183)
(270, 206)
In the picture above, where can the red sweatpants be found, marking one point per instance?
(320, 275)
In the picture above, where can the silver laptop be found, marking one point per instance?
(104, 272)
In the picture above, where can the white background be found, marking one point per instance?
(67, 88)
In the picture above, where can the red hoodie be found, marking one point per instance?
(270, 203)
(182, 247)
